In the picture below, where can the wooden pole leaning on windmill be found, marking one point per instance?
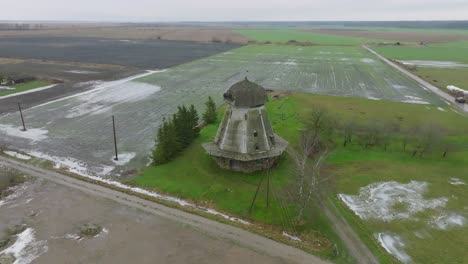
(115, 139)
(268, 189)
(256, 192)
(267, 172)
(22, 118)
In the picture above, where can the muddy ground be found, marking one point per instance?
(76, 62)
(52, 216)
(72, 77)
(137, 53)
(400, 36)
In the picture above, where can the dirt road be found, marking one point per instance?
(448, 98)
(218, 230)
(353, 243)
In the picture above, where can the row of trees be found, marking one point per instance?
(178, 132)
(323, 132)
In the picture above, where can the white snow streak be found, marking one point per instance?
(17, 155)
(394, 245)
(26, 249)
(28, 91)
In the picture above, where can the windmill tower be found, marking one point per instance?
(245, 141)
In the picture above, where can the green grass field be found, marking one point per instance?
(232, 192)
(24, 87)
(455, 51)
(353, 166)
(410, 30)
(442, 77)
(284, 35)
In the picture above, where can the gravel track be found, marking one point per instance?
(213, 228)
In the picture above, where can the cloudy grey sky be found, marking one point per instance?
(233, 10)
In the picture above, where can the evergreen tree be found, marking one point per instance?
(175, 134)
(182, 126)
(210, 114)
(160, 155)
(194, 119)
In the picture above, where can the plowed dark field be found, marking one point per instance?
(136, 53)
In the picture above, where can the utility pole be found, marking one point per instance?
(21, 114)
(115, 139)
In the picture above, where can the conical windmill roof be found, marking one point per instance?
(246, 94)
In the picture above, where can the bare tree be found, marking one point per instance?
(308, 157)
(371, 134)
(349, 128)
(307, 174)
(389, 130)
(429, 137)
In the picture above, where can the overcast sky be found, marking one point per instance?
(233, 10)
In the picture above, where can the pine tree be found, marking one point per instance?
(160, 155)
(210, 114)
(175, 134)
(194, 119)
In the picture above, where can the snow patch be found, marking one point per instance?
(17, 155)
(124, 158)
(394, 245)
(102, 100)
(456, 181)
(367, 60)
(34, 134)
(73, 165)
(28, 91)
(81, 72)
(6, 88)
(16, 191)
(446, 221)
(414, 100)
(434, 64)
(289, 62)
(441, 109)
(72, 237)
(377, 200)
(373, 98)
(100, 85)
(26, 249)
(295, 238)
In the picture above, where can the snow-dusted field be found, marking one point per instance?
(76, 131)
(344, 71)
(390, 204)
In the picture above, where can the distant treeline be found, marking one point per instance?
(450, 24)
